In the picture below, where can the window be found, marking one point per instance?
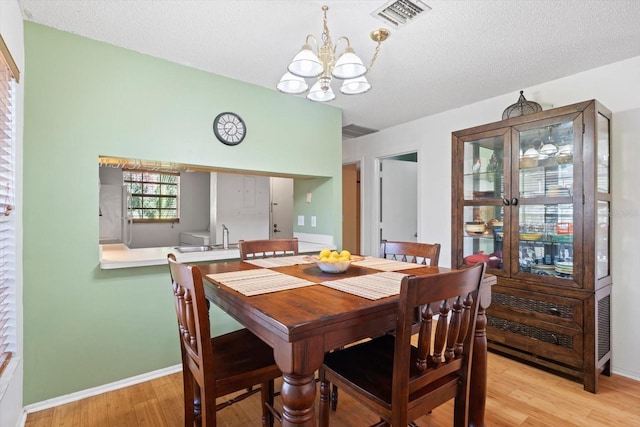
(9, 77)
(153, 196)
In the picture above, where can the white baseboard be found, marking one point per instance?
(626, 373)
(23, 419)
(68, 398)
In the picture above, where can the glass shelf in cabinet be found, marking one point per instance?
(487, 176)
(560, 238)
(487, 194)
(486, 236)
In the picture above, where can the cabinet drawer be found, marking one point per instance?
(566, 312)
(545, 342)
(541, 326)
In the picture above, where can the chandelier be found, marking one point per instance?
(326, 64)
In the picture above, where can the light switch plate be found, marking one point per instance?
(300, 219)
(308, 197)
(313, 221)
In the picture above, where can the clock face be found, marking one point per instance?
(229, 128)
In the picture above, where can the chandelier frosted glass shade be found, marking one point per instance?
(355, 86)
(292, 84)
(321, 92)
(306, 63)
(348, 66)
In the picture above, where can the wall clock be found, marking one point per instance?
(229, 128)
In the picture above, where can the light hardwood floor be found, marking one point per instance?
(518, 395)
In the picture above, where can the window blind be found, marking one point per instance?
(8, 78)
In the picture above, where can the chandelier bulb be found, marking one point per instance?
(292, 84)
(355, 86)
(321, 91)
(306, 63)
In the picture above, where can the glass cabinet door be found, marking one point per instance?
(603, 194)
(545, 240)
(603, 154)
(545, 204)
(483, 214)
(604, 197)
(602, 240)
(484, 168)
(546, 161)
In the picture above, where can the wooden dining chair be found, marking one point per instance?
(421, 253)
(399, 381)
(215, 367)
(267, 248)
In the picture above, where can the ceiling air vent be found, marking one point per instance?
(354, 131)
(399, 13)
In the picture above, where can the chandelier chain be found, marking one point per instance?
(326, 37)
(375, 54)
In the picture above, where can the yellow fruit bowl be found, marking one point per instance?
(333, 266)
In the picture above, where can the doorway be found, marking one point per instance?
(398, 214)
(281, 208)
(351, 208)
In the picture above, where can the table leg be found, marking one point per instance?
(298, 394)
(298, 362)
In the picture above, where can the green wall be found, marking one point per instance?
(84, 327)
(321, 189)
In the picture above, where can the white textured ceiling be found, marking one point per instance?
(458, 53)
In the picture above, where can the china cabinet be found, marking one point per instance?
(531, 196)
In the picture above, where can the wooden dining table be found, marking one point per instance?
(303, 323)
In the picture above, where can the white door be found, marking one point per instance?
(399, 200)
(281, 208)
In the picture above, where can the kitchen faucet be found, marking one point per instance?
(225, 237)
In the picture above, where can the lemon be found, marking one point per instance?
(327, 255)
(324, 253)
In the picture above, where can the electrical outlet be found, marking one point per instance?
(313, 221)
(300, 219)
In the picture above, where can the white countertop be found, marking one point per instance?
(118, 255)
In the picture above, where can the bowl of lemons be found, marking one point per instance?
(329, 261)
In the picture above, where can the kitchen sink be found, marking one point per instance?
(207, 248)
(188, 249)
(230, 246)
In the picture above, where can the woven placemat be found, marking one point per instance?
(258, 281)
(280, 261)
(386, 264)
(372, 286)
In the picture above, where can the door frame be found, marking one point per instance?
(288, 219)
(375, 242)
